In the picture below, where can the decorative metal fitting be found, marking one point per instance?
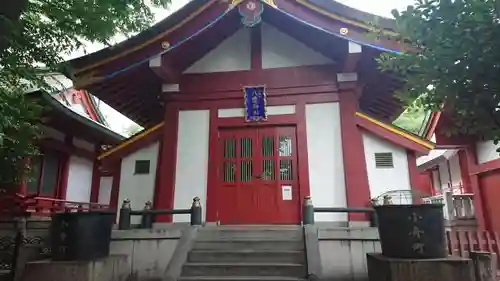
(126, 204)
(148, 205)
(308, 201)
(165, 45)
(196, 202)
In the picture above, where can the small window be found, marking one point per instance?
(141, 167)
(384, 160)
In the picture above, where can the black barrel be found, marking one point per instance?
(81, 236)
(412, 231)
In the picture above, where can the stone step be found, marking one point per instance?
(240, 278)
(255, 245)
(252, 227)
(247, 256)
(244, 269)
(250, 235)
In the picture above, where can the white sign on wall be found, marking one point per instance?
(286, 192)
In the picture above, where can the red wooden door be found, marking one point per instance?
(257, 176)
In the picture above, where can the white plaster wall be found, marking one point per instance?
(382, 180)
(486, 151)
(105, 186)
(232, 54)
(326, 165)
(138, 188)
(79, 179)
(271, 110)
(192, 160)
(281, 50)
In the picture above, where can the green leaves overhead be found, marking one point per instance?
(458, 62)
(35, 33)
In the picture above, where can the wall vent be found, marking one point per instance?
(384, 160)
(141, 167)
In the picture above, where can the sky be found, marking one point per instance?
(119, 123)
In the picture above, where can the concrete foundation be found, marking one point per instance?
(112, 268)
(382, 268)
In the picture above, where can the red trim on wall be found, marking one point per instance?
(275, 97)
(96, 178)
(211, 202)
(64, 170)
(391, 136)
(356, 175)
(413, 172)
(302, 154)
(115, 187)
(256, 47)
(284, 78)
(164, 194)
(470, 153)
(486, 167)
(464, 171)
(158, 171)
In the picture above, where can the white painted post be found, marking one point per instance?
(448, 205)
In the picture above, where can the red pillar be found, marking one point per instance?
(470, 154)
(356, 175)
(115, 186)
(96, 177)
(64, 172)
(464, 171)
(165, 184)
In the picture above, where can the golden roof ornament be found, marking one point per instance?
(271, 3)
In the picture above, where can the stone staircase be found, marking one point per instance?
(247, 253)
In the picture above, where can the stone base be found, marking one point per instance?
(112, 268)
(381, 268)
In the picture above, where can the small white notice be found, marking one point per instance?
(286, 192)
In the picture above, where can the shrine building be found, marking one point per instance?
(251, 106)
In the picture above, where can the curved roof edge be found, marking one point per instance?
(77, 117)
(351, 13)
(150, 34)
(195, 7)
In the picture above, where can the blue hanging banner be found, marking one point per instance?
(255, 103)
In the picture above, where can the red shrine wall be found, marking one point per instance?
(66, 171)
(311, 144)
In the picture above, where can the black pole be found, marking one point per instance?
(307, 211)
(124, 221)
(147, 217)
(196, 212)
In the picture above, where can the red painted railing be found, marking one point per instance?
(47, 206)
(460, 243)
(17, 204)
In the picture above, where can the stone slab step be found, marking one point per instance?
(247, 256)
(244, 269)
(251, 235)
(253, 227)
(234, 244)
(240, 278)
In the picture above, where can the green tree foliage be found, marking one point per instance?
(457, 62)
(36, 33)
